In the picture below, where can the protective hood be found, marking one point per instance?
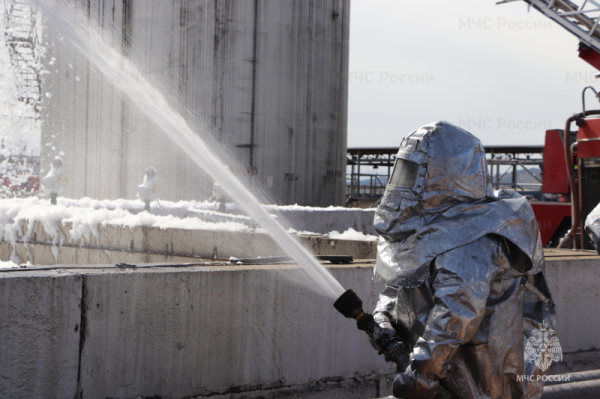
(439, 198)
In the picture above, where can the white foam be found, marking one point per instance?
(352, 234)
(8, 265)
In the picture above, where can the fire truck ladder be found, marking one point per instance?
(579, 19)
(21, 37)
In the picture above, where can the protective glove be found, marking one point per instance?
(413, 385)
(384, 340)
(387, 329)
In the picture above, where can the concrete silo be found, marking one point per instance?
(269, 76)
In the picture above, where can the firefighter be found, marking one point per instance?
(464, 272)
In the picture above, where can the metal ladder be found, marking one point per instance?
(579, 19)
(21, 37)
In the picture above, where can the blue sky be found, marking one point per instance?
(502, 72)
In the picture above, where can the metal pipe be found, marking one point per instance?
(253, 106)
(576, 202)
(574, 390)
(514, 176)
(571, 238)
(358, 156)
(576, 377)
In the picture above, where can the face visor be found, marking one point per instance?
(399, 212)
(405, 174)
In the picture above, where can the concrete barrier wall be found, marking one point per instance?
(223, 331)
(184, 332)
(574, 282)
(142, 244)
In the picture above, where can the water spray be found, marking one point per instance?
(394, 350)
(76, 27)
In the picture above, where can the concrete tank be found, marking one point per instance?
(269, 76)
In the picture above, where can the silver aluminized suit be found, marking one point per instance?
(463, 270)
(592, 227)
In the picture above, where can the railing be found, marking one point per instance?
(371, 186)
(507, 166)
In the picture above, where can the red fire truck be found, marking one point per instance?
(571, 168)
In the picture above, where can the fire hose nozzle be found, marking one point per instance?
(350, 305)
(394, 350)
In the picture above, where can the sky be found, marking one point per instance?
(502, 72)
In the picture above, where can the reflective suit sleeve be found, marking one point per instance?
(460, 283)
(386, 306)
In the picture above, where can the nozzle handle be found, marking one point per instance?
(390, 346)
(394, 350)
